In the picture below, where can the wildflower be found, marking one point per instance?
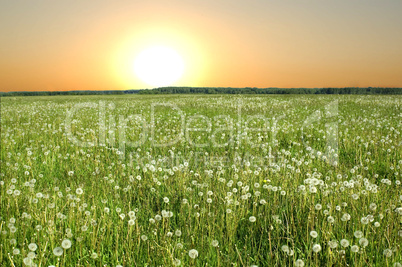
(330, 219)
(354, 248)
(144, 238)
(58, 251)
(32, 246)
(344, 243)
(193, 253)
(177, 233)
(79, 191)
(313, 234)
(94, 255)
(333, 244)
(27, 261)
(364, 220)
(316, 248)
(214, 243)
(285, 249)
(299, 263)
(252, 219)
(387, 252)
(363, 242)
(358, 234)
(31, 255)
(66, 243)
(176, 262)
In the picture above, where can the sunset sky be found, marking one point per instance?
(94, 45)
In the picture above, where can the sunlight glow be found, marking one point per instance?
(159, 66)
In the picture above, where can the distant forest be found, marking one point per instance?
(221, 90)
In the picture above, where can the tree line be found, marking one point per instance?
(221, 90)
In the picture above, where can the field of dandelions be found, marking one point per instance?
(201, 180)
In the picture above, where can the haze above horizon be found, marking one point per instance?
(104, 45)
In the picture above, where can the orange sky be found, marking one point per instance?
(91, 45)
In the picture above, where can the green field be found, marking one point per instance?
(201, 180)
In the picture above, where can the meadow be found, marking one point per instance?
(201, 180)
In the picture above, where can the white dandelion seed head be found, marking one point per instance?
(58, 251)
(66, 243)
(31, 255)
(193, 253)
(316, 248)
(313, 234)
(354, 248)
(32, 246)
(358, 234)
(299, 263)
(344, 243)
(79, 191)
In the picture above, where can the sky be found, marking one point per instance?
(94, 45)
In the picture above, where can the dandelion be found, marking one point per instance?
(27, 261)
(330, 219)
(193, 253)
(333, 244)
(32, 246)
(316, 248)
(344, 243)
(318, 207)
(387, 252)
(299, 263)
(354, 248)
(177, 233)
(179, 245)
(144, 238)
(214, 243)
(364, 220)
(58, 251)
(285, 249)
(16, 251)
(176, 262)
(94, 255)
(363, 242)
(358, 234)
(79, 191)
(345, 217)
(166, 200)
(131, 222)
(31, 255)
(252, 219)
(66, 243)
(313, 234)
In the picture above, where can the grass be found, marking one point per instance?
(144, 180)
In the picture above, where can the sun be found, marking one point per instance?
(159, 66)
